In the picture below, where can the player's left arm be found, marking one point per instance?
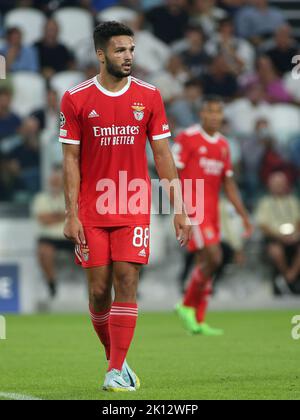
(166, 170)
(233, 195)
(158, 132)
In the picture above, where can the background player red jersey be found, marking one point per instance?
(202, 153)
(201, 156)
(112, 130)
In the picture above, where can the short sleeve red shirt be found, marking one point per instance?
(111, 130)
(200, 156)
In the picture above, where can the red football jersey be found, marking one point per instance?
(111, 129)
(199, 156)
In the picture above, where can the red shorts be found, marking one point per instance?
(204, 235)
(105, 245)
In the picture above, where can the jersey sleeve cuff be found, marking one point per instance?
(69, 141)
(161, 136)
(229, 173)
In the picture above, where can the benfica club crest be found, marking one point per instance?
(138, 111)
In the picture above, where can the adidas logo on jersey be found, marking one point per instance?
(143, 253)
(93, 114)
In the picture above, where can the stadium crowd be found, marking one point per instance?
(241, 50)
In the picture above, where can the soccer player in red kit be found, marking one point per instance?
(202, 153)
(105, 123)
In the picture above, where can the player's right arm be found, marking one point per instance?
(70, 136)
(71, 163)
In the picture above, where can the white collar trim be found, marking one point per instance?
(108, 92)
(211, 139)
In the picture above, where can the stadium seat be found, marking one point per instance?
(65, 80)
(30, 21)
(285, 122)
(75, 25)
(118, 13)
(29, 92)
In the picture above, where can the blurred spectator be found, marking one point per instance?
(151, 54)
(294, 151)
(232, 242)
(53, 56)
(274, 161)
(207, 15)
(171, 81)
(258, 20)
(231, 6)
(7, 5)
(10, 183)
(9, 122)
(185, 110)
(278, 216)
(18, 56)
(49, 6)
(244, 112)
(169, 21)
(253, 151)
(119, 13)
(25, 158)
(150, 4)
(98, 5)
(282, 48)
(239, 54)
(267, 76)
(49, 211)
(193, 52)
(48, 117)
(220, 80)
(234, 145)
(178, 70)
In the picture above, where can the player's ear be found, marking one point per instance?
(101, 56)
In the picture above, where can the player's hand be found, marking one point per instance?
(74, 230)
(183, 229)
(249, 229)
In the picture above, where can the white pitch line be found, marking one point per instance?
(18, 397)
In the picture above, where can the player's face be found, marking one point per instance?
(119, 56)
(212, 116)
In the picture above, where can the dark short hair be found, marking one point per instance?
(193, 83)
(106, 30)
(212, 99)
(12, 29)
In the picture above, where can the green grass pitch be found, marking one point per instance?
(58, 357)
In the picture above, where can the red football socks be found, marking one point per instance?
(100, 321)
(122, 323)
(198, 293)
(203, 302)
(193, 292)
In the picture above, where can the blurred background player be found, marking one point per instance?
(105, 123)
(202, 153)
(49, 211)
